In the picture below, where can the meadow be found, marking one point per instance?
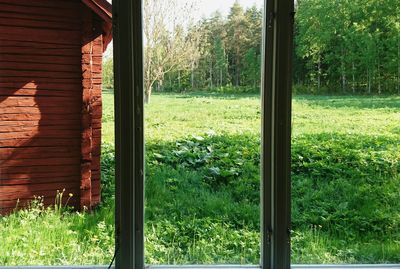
(202, 186)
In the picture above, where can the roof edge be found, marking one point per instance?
(101, 7)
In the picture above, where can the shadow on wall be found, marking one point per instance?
(40, 133)
(50, 100)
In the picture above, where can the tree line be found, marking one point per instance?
(346, 46)
(229, 52)
(214, 52)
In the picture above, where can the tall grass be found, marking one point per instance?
(202, 190)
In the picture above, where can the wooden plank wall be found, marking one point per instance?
(92, 51)
(97, 114)
(41, 96)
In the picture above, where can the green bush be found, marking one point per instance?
(346, 184)
(230, 162)
(107, 173)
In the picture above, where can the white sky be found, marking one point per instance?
(206, 7)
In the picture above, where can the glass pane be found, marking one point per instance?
(345, 147)
(202, 77)
(53, 208)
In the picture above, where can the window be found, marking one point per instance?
(345, 162)
(130, 142)
(276, 187)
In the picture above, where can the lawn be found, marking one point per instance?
(202, 191)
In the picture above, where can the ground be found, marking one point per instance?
(202, 191)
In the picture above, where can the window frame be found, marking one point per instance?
(276, 143)
(276, 134)
(129, 135)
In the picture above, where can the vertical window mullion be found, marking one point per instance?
(129, 134)
(282, 154)
(276, 133)
(266, 135)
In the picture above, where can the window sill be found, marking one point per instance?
(295, 266)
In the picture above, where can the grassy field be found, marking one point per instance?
(202, 191)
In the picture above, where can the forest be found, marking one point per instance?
(341, 47)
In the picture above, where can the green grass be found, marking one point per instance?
(39, 236)
(172, 116)
(202, 191)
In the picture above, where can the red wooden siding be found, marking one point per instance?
(50, 98)
(92, 51)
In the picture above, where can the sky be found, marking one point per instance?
(206, 7)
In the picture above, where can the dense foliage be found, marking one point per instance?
(230, 52)
(349, 46)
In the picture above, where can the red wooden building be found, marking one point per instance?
(50, 99)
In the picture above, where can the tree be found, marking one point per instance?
(168, 48)
(237, 39)
(252, 68)
(108, 73)
(252, 56)
(221, 63)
